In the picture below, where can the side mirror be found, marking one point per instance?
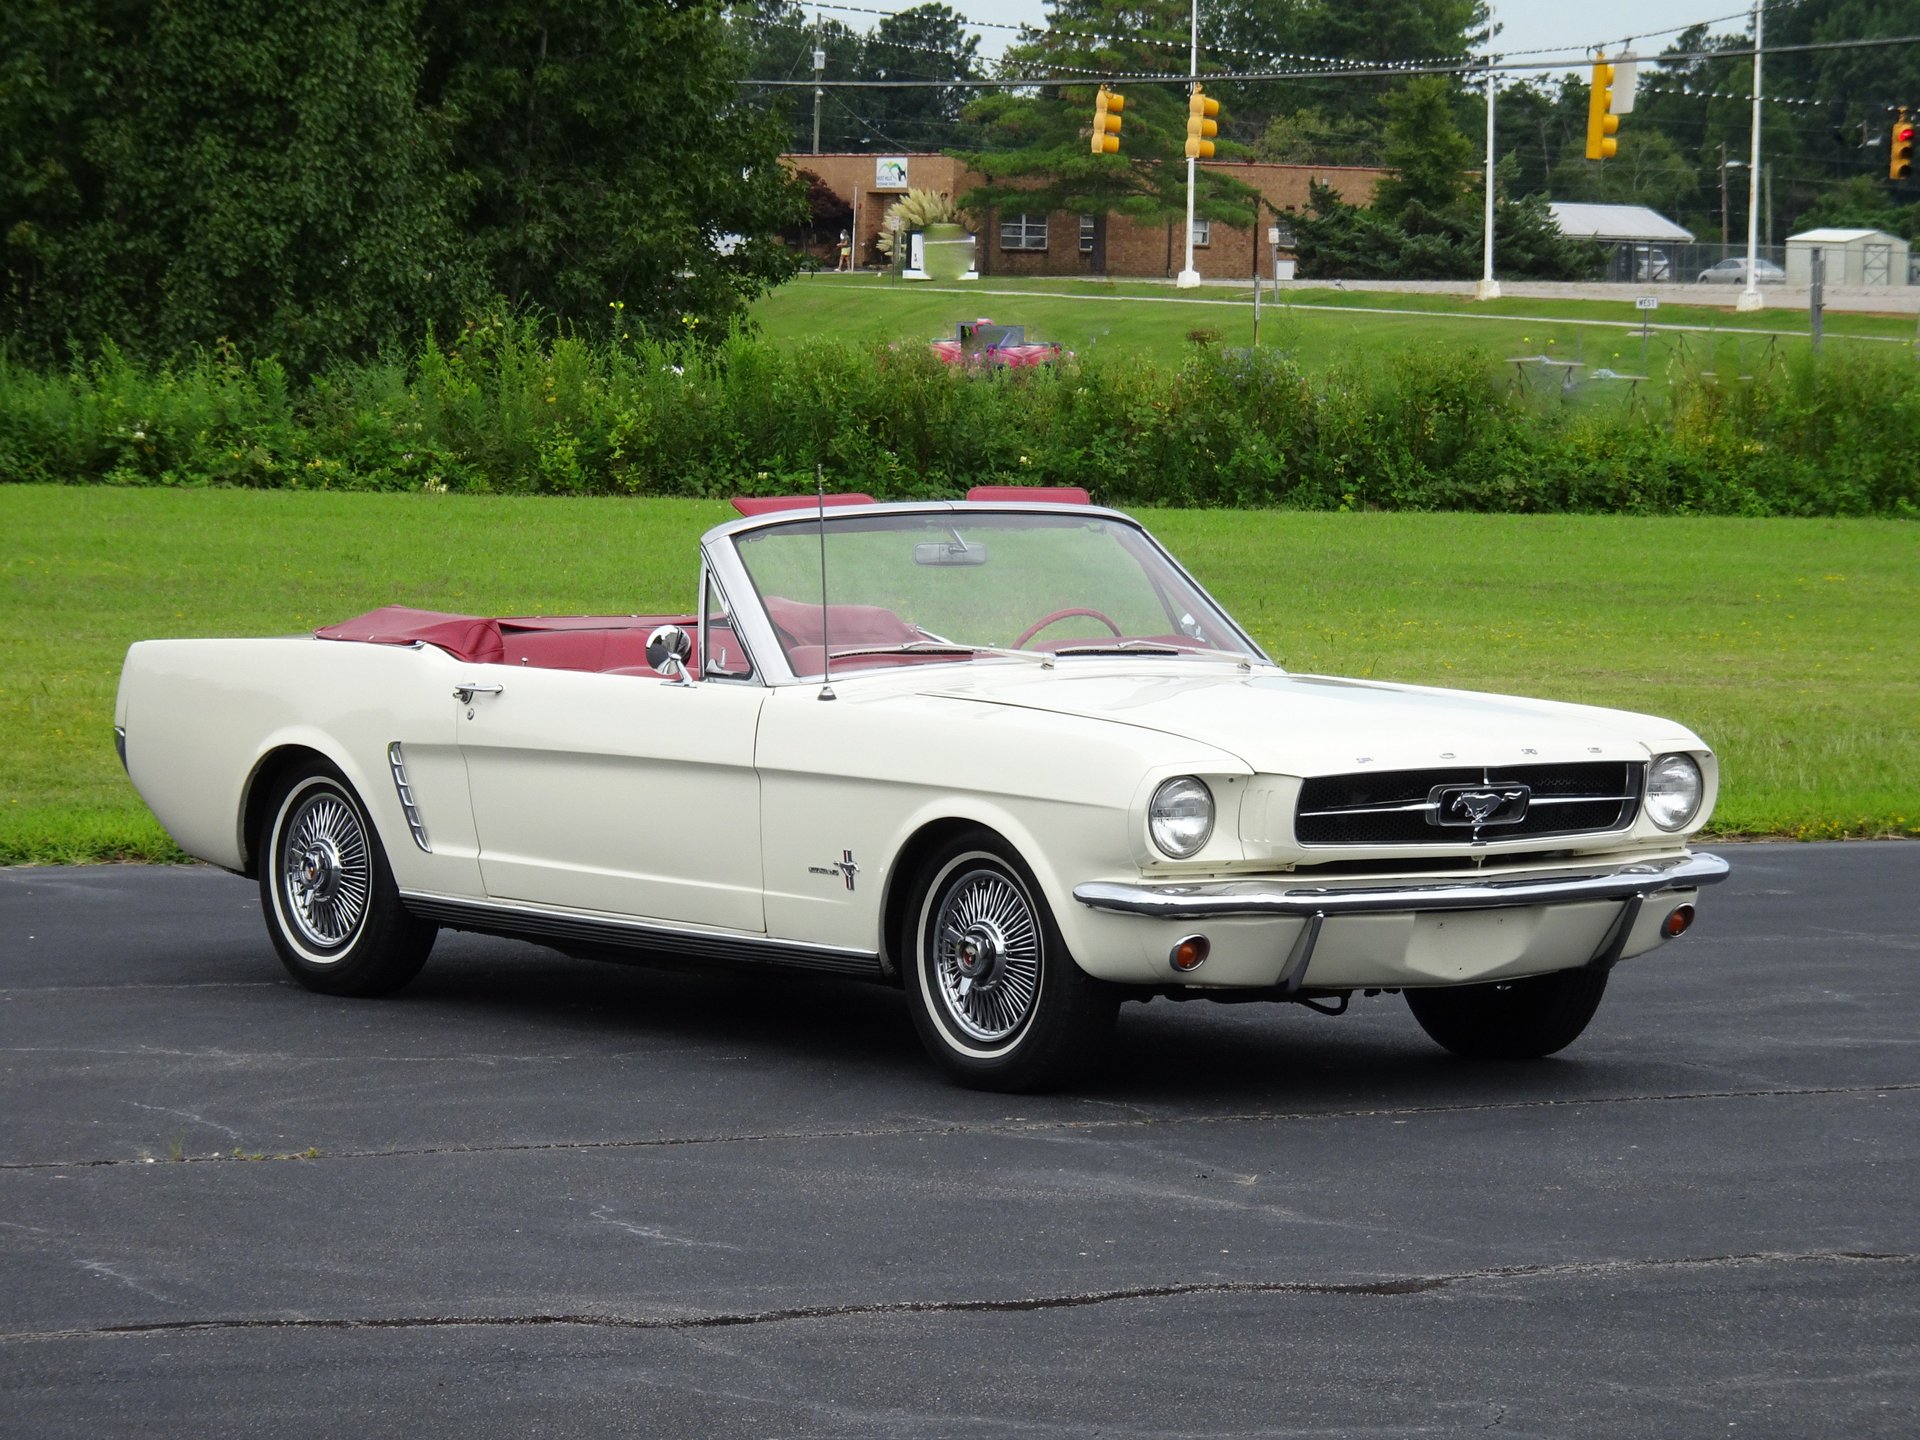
(668, 650)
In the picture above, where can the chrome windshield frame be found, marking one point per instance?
(720, 555)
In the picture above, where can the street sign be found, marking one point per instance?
(1273, 235)
(1646, 302)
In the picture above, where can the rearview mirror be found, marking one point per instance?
(949, 552)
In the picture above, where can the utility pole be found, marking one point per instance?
(1190, 277)
(819, 70)
(1750, 298)
(1488, 288)
(1723, 194)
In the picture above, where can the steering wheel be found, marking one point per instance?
(1045, 620)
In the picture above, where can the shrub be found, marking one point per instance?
(501, 407)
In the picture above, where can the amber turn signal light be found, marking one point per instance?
(1190, 954)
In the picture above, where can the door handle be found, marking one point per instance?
(465, 693)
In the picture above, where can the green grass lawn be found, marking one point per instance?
(1790, 645)
(1317, 326)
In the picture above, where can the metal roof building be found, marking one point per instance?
(1616, 222)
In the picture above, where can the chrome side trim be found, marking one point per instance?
(1235, 898)
(497, 917)
(120, 745)
(397, 762)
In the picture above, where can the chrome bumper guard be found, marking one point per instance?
(1240, 899)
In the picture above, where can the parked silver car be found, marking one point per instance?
(1734, 272)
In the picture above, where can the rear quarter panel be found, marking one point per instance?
(202, 716)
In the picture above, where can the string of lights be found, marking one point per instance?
(1571, 54)
(1465, 69)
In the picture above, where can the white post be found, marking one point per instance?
(1488, 288)
(1750, 298)
(1190, 277)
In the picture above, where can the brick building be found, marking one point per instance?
(1065, 243)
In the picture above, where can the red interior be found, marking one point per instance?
(611, 644)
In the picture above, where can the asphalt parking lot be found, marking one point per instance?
(538, 1196)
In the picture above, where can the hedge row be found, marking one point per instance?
(506, 411)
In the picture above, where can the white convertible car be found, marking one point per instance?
(1003, 753)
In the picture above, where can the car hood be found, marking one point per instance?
(1320, 724)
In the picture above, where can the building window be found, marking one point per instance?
(1202, 232)
(1086, 234)
(1023, 232)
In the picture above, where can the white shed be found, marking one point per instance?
(1852, 257)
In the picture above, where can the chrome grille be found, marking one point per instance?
(1439, 806)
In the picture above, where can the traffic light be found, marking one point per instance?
(1900, 157)
(1201, 126)
(1106, 121)
(1602, 123)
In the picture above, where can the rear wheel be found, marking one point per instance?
(330, 901)
(1510, 1019)
(996, 999)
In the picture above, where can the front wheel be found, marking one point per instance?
(996, 999)
(1510, 1019)
(330, 901)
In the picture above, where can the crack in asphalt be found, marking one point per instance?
(1375, 1289)
(997, 1127)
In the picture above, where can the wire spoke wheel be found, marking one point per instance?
(996, 996)
(987, 955)
(325, 869)
(333, 911)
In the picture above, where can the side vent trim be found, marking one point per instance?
(397, 762)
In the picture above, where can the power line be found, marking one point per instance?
(1453, 68)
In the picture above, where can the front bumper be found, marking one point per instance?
(1589, 915)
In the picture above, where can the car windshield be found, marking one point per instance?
(955, 585)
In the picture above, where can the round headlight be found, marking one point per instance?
(1674, 790)
(1181, 817)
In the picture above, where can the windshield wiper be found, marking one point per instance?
(1149, 647)
(943, 647)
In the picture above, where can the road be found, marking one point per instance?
(536, 1196)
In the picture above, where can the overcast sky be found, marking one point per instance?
(1572, 25)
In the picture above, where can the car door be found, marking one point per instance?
(614, 793)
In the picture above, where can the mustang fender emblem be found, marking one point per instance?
(844, 867)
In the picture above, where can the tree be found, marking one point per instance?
(776, 40)
(1429, 157)
(1292, 35)
(588, 186)
(1033, 150)
(927, 42)
(1862, 203)
(255, 170)
(319, 176)
(1533, 127)
(1309, 137)
(1649, 171)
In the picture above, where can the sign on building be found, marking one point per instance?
(890, 172)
